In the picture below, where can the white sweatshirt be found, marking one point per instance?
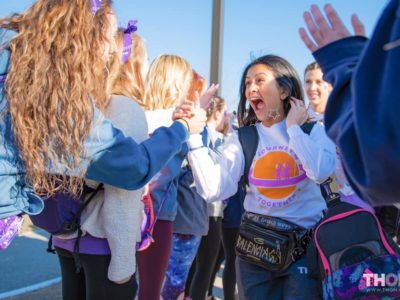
(283, 175)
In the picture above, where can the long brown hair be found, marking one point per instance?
(56, 64)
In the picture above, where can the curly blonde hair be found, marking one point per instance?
(129, 81)
(167, 82)
(53, 71)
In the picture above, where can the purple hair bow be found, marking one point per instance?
(127, 46)
(95, 5)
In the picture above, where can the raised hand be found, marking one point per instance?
(198, 120)
(297, 113)
(205, 99)
(325, 31)
(185, 110)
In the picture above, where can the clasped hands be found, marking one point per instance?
(193, 111)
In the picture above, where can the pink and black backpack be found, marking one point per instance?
(353, 257)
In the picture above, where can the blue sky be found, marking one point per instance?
(251, 28)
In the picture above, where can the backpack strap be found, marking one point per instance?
(307, 127)
(248, 138)
(74, 223)
(75, 220)
(329, 188)
(161, 205)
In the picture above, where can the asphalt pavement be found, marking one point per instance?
(29, 272)
(27, 268)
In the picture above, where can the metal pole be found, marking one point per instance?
(216, 41)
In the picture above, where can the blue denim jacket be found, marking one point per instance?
(114, 159)
(160, 187)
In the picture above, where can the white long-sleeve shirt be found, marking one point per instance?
(282, 177)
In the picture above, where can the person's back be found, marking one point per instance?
(58, 130)
(56, 136)
(116, 214)
(167, 85)
(111, 221)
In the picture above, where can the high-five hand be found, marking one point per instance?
(325, 31)
(205, 99)
(199, 118)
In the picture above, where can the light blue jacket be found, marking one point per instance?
(114, 159)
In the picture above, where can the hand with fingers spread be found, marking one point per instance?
(364, 75)
(186, 109)
(297, 113)
(326, 30)
(205, 99)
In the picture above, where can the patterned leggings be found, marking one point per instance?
(184, 249)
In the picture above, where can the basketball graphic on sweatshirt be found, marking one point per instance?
(275, 176)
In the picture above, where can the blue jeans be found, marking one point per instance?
(184, 249)
(256, 283)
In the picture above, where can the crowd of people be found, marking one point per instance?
(81, 108)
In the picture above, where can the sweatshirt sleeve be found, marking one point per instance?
(362, 112)
(216, 180)
(316, 151)
(338, 62)
(159, 117)
(121, 162)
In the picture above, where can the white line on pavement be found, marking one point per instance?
(30, 288)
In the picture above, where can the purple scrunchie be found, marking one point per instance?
(95, 5)
(127, 46)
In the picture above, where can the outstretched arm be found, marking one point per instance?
(362, 112)
(325, 31)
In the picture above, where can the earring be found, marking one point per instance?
(273, 113)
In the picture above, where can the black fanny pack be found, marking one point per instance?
(269, 242)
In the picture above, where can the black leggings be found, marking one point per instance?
(203, 266)
(229, 237)
(91, 283)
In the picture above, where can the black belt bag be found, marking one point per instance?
(269, 242)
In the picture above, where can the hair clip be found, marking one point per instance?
(95, 5)
(127, 45)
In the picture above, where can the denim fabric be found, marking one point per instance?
(184, 249)
(256, 283)
(160, 184)
(114, 159)
(15, 197)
